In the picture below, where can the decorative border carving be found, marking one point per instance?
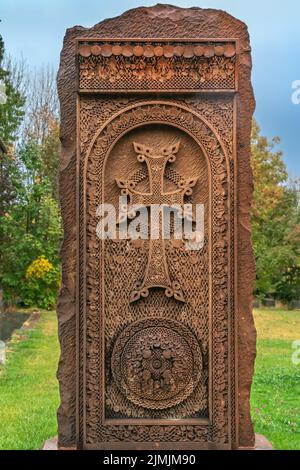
(156, 66)
(222, 327)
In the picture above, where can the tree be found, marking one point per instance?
(41, 123)
(31, 228)
(30, 225)
(288, 284)
(41, 105)
(11, 115)
(11, 112)
(275, 222)
(50, 157)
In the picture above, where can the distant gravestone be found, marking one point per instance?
(157, 339)
(2, 352)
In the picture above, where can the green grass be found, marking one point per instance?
(275, 399)
(29, 390)
(28, 387)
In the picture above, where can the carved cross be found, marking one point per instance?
(157, 272)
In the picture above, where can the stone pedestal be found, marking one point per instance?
(261, 443)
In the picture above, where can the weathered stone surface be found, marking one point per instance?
(261, 443)
(160, 21)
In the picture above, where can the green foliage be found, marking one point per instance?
(50, 157)
(41, 283)
(11, 113)
(30, 224)
(10, 182)
(275, 223)
(30, 227)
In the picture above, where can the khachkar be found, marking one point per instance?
(157, 341)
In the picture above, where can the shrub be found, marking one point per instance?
(42, 280)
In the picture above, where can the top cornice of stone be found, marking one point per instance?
(170, 14)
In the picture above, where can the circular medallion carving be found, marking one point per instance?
(156, 363)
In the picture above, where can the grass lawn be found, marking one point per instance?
(29, 390)
(275, 397)
(28, 387)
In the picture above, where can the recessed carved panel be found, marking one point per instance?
(202, 157)
(173, 281)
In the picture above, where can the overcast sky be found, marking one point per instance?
(35, 29)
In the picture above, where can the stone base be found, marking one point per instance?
(50, 444)
(261, 443)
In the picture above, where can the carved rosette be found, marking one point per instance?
(156, 363)
(141, 380)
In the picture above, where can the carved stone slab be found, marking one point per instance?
(157, 341)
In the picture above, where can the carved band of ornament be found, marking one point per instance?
(157, 66)
(147, 50)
